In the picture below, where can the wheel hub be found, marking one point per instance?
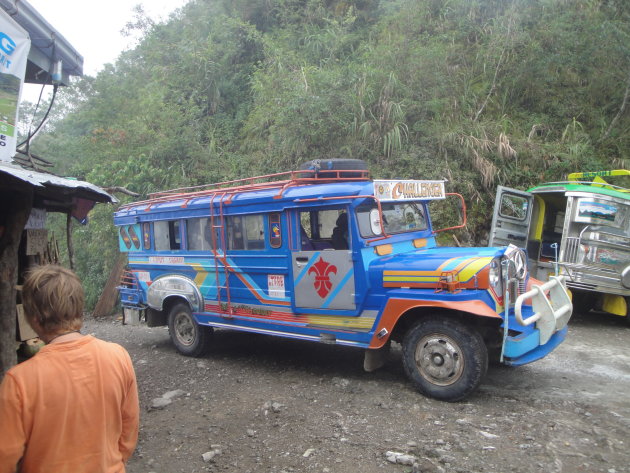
(184, 329)
(439, 359)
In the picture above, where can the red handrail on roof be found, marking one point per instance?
(283, 181)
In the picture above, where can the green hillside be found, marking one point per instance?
(482, 93)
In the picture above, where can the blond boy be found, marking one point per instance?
(73, 407)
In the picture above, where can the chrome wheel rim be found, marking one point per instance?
(184, 328)
(439, 359)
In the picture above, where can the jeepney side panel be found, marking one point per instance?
(258, 276)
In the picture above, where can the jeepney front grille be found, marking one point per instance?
(571, 250)
(593, 278)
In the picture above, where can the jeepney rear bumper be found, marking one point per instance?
(540, 327)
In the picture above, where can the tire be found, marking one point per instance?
(189, 338)
(324, 165)
(444, 359)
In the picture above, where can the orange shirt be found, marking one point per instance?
(71, 408)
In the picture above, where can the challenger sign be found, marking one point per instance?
(409, 190)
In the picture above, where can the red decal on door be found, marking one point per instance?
(322, 281)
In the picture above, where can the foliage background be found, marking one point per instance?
(481, 92)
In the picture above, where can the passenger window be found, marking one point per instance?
(167, 235)
(324, 230)
(275, 231)
(125, 237)
(146, 235)
(246, 232)
(326, 222)
(513, 206)
(199, 234)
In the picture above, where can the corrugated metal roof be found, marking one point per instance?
(80, 189)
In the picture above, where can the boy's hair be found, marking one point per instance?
(53, 296)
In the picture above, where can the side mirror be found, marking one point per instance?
(462, 211)
(375, 222)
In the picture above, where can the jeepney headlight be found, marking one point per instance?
(518, 262)
(494, 276)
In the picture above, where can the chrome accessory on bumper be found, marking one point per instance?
(551, 312)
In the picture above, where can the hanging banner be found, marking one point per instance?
(14, 47)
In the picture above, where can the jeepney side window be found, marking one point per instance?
(513, 206)
(246, 232)
(167, 235)
(146, 235)
(235, 240)
(199, 234)
(275, 230)
(320, 230)
(305, 231)
(327, 220)
(124, 236)
(254, 232)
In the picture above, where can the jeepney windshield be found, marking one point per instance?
(398, 217)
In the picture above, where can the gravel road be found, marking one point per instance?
(262, 404)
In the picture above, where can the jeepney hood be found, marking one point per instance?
(426, 266)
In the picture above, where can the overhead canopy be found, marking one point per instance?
(52, 193)
(48, 46)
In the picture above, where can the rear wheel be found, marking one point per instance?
(190, 338)
(444, 359)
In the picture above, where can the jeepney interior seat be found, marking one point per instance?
(340, 233)
(322, 245)
(548, 239)
(306, 243)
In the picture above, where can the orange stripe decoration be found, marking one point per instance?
(352, 324)
(260, 298)
(395, 308)
(466, 272)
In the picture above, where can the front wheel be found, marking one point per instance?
(444, 359)
(188, 336)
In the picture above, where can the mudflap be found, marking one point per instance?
(376, 358)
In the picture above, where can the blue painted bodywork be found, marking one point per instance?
(257, 306)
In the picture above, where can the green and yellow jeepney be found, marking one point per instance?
(579, 228)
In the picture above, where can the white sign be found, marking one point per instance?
(166, 259)
(36, 241)
(37, 219)
(275, 282)
(409, 190)
(14, 47)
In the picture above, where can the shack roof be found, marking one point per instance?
(53, 193)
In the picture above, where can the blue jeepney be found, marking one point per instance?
(326, 254)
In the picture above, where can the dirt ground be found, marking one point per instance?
(262, 404)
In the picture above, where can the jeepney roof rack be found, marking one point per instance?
(281, 181)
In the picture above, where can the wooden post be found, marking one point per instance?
(14, 213)
(69, 241)
(109, 296)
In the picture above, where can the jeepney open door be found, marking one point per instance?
(511, 218)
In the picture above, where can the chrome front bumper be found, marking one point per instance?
(551, 304)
